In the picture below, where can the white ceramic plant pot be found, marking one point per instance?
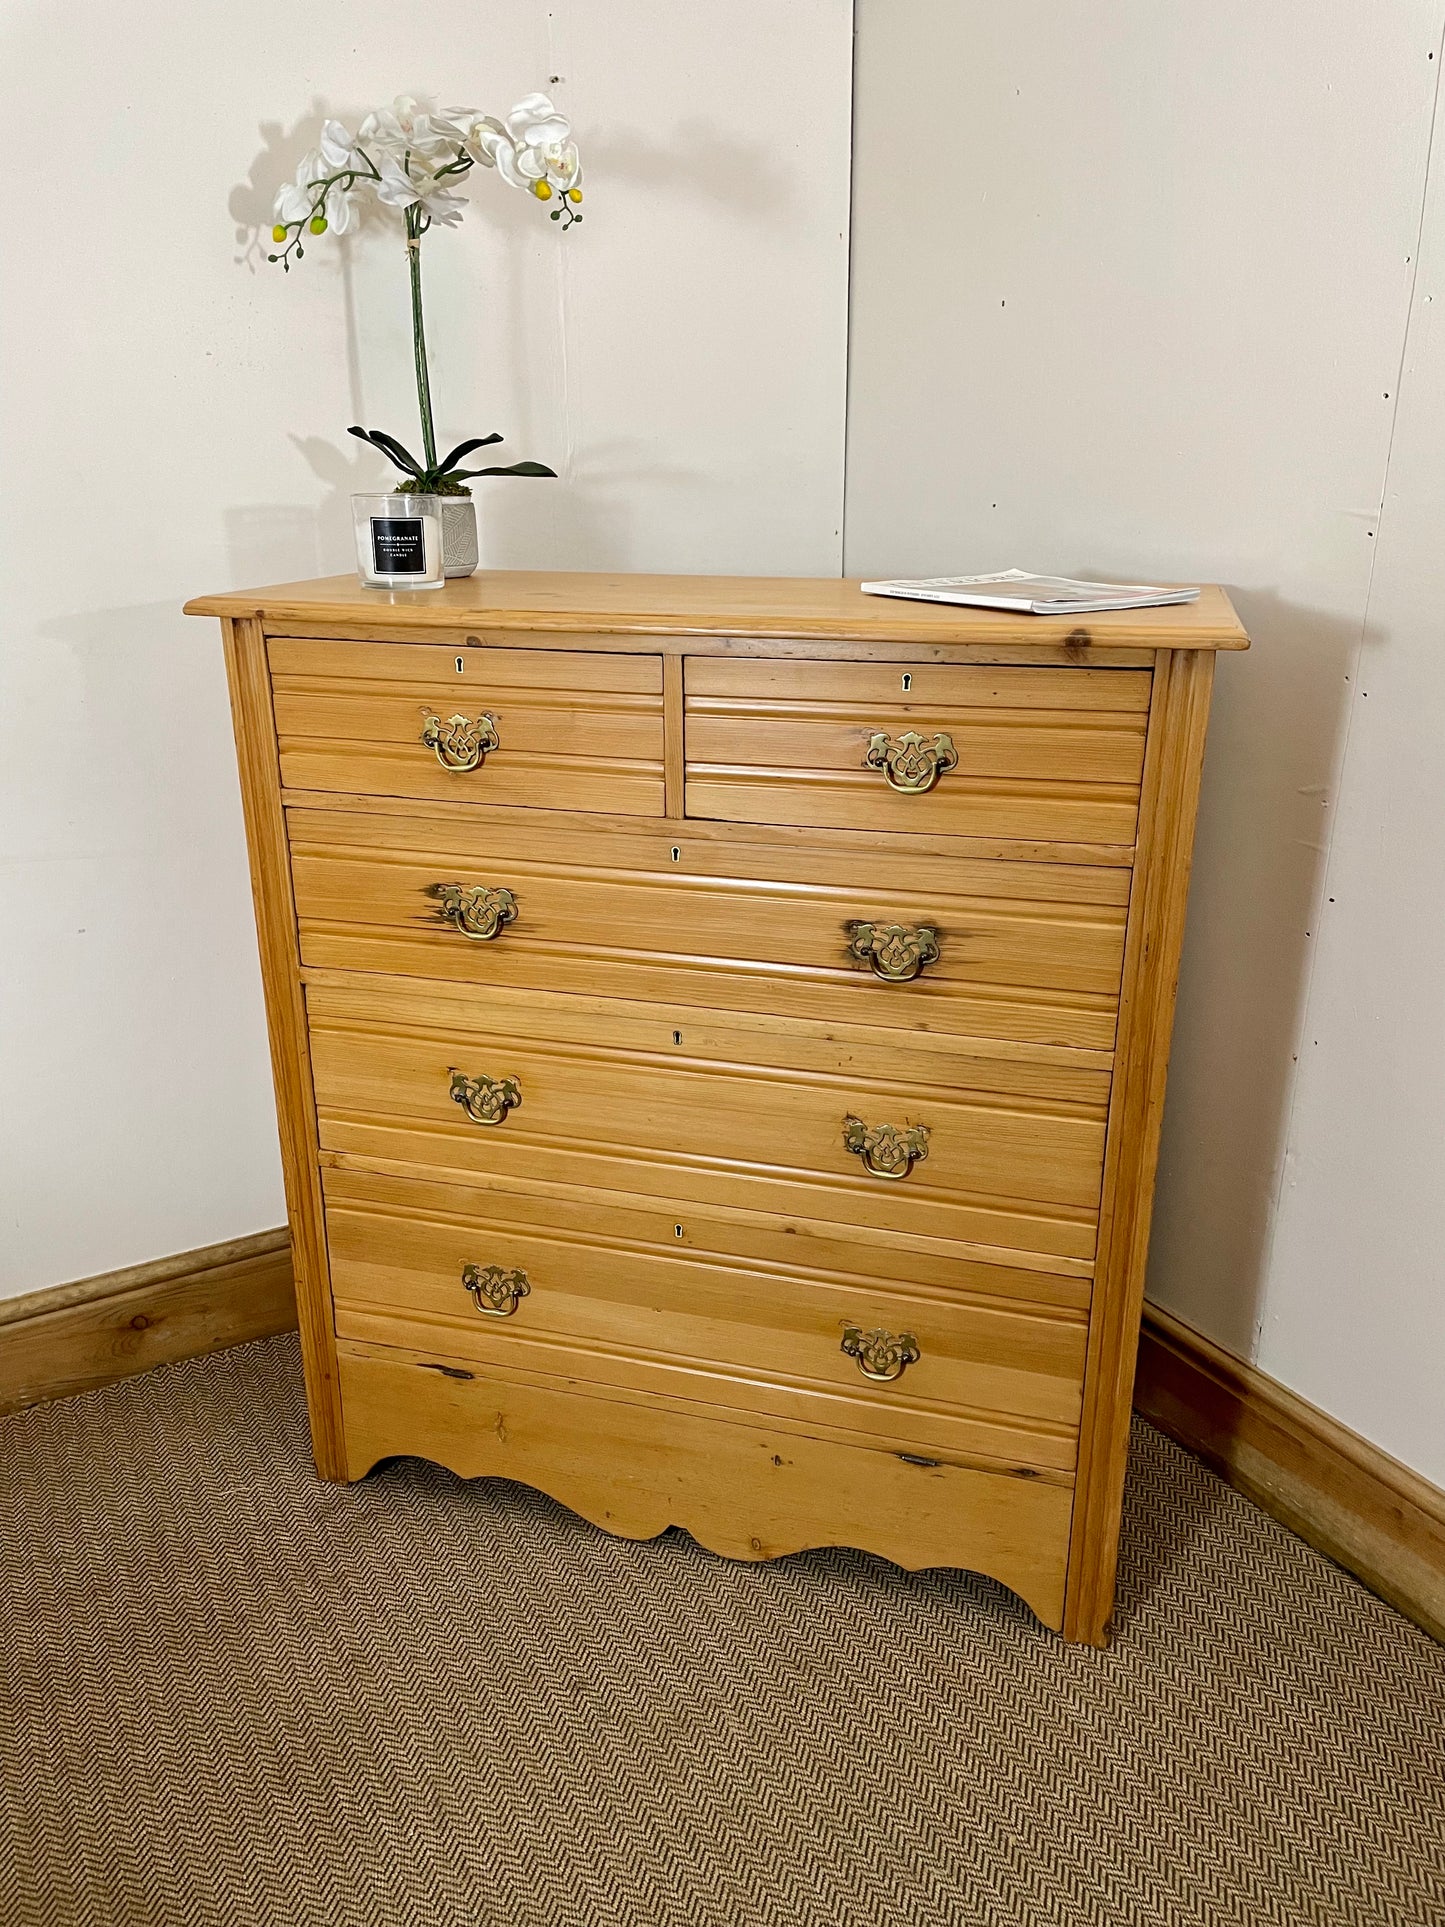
(459, 534)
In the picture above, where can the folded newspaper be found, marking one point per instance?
(1035, 595)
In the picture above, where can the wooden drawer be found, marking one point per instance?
(572, 732)
(1049, 755)
(673, 1102)
(658, 1299)
(1024, 950)
(637, 1463)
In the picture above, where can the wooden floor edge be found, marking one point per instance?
(77, 1336)
(1342, 1495)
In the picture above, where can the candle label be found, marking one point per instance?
(397, 547)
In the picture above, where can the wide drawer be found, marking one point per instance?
(513, 726)
(1050, 755)
(1025, 950)
(657, 1299)
(1002, 1150)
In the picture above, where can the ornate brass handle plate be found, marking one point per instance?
(882, 1356)
(910, 764)
(486, 1100)
(478, 911)
(461, 742)
(495, 1293)
(887, 1150)
(896, 952)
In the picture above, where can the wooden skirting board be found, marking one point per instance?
(1364, 1510)
(78, 1336)
(1361, 1508)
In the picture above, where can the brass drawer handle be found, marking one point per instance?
(887, 1150)
(896, 952)
(461, 742)
(486, 1100)
(882, 1356)
(495, 1293)
(910, 764)
(478, 911)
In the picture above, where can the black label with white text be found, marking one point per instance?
(397, 545)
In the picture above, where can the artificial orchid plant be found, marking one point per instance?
(409, 158)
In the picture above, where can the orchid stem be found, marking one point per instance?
(418, 336)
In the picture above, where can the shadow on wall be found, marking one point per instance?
(1274, 746)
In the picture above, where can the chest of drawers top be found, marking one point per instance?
(719, 1029)
(714, 614)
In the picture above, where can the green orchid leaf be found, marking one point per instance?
(465, 448)
(389, 447)
(517, 468)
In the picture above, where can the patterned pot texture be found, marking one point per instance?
(459, 535)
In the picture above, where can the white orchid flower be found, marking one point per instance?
(340, 208)
(294, 200)
(534, 149)
(543, 143)
(339, 150)
(410, 157)
(303, 201)
(458, 123)
(558, 165)
(475, 132)
(535, 122)
(400, 189)
(404, 126)
(495, 148)
(293, 203)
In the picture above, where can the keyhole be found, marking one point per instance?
(677, 1231)
(676, 854)
(677, 1037)
(907, 684)
(460, 665)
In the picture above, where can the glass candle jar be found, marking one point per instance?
(398, 541)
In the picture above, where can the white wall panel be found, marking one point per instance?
(1355, 1312)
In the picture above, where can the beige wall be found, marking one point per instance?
(1130, 291)
(174, 421)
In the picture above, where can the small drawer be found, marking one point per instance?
(970, 946)
(942, 1140)
(526, 727)
(854, 1337)
(1035, 755)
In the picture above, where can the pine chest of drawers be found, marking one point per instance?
(719, 1031)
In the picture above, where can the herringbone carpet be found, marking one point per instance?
(231, 1694)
